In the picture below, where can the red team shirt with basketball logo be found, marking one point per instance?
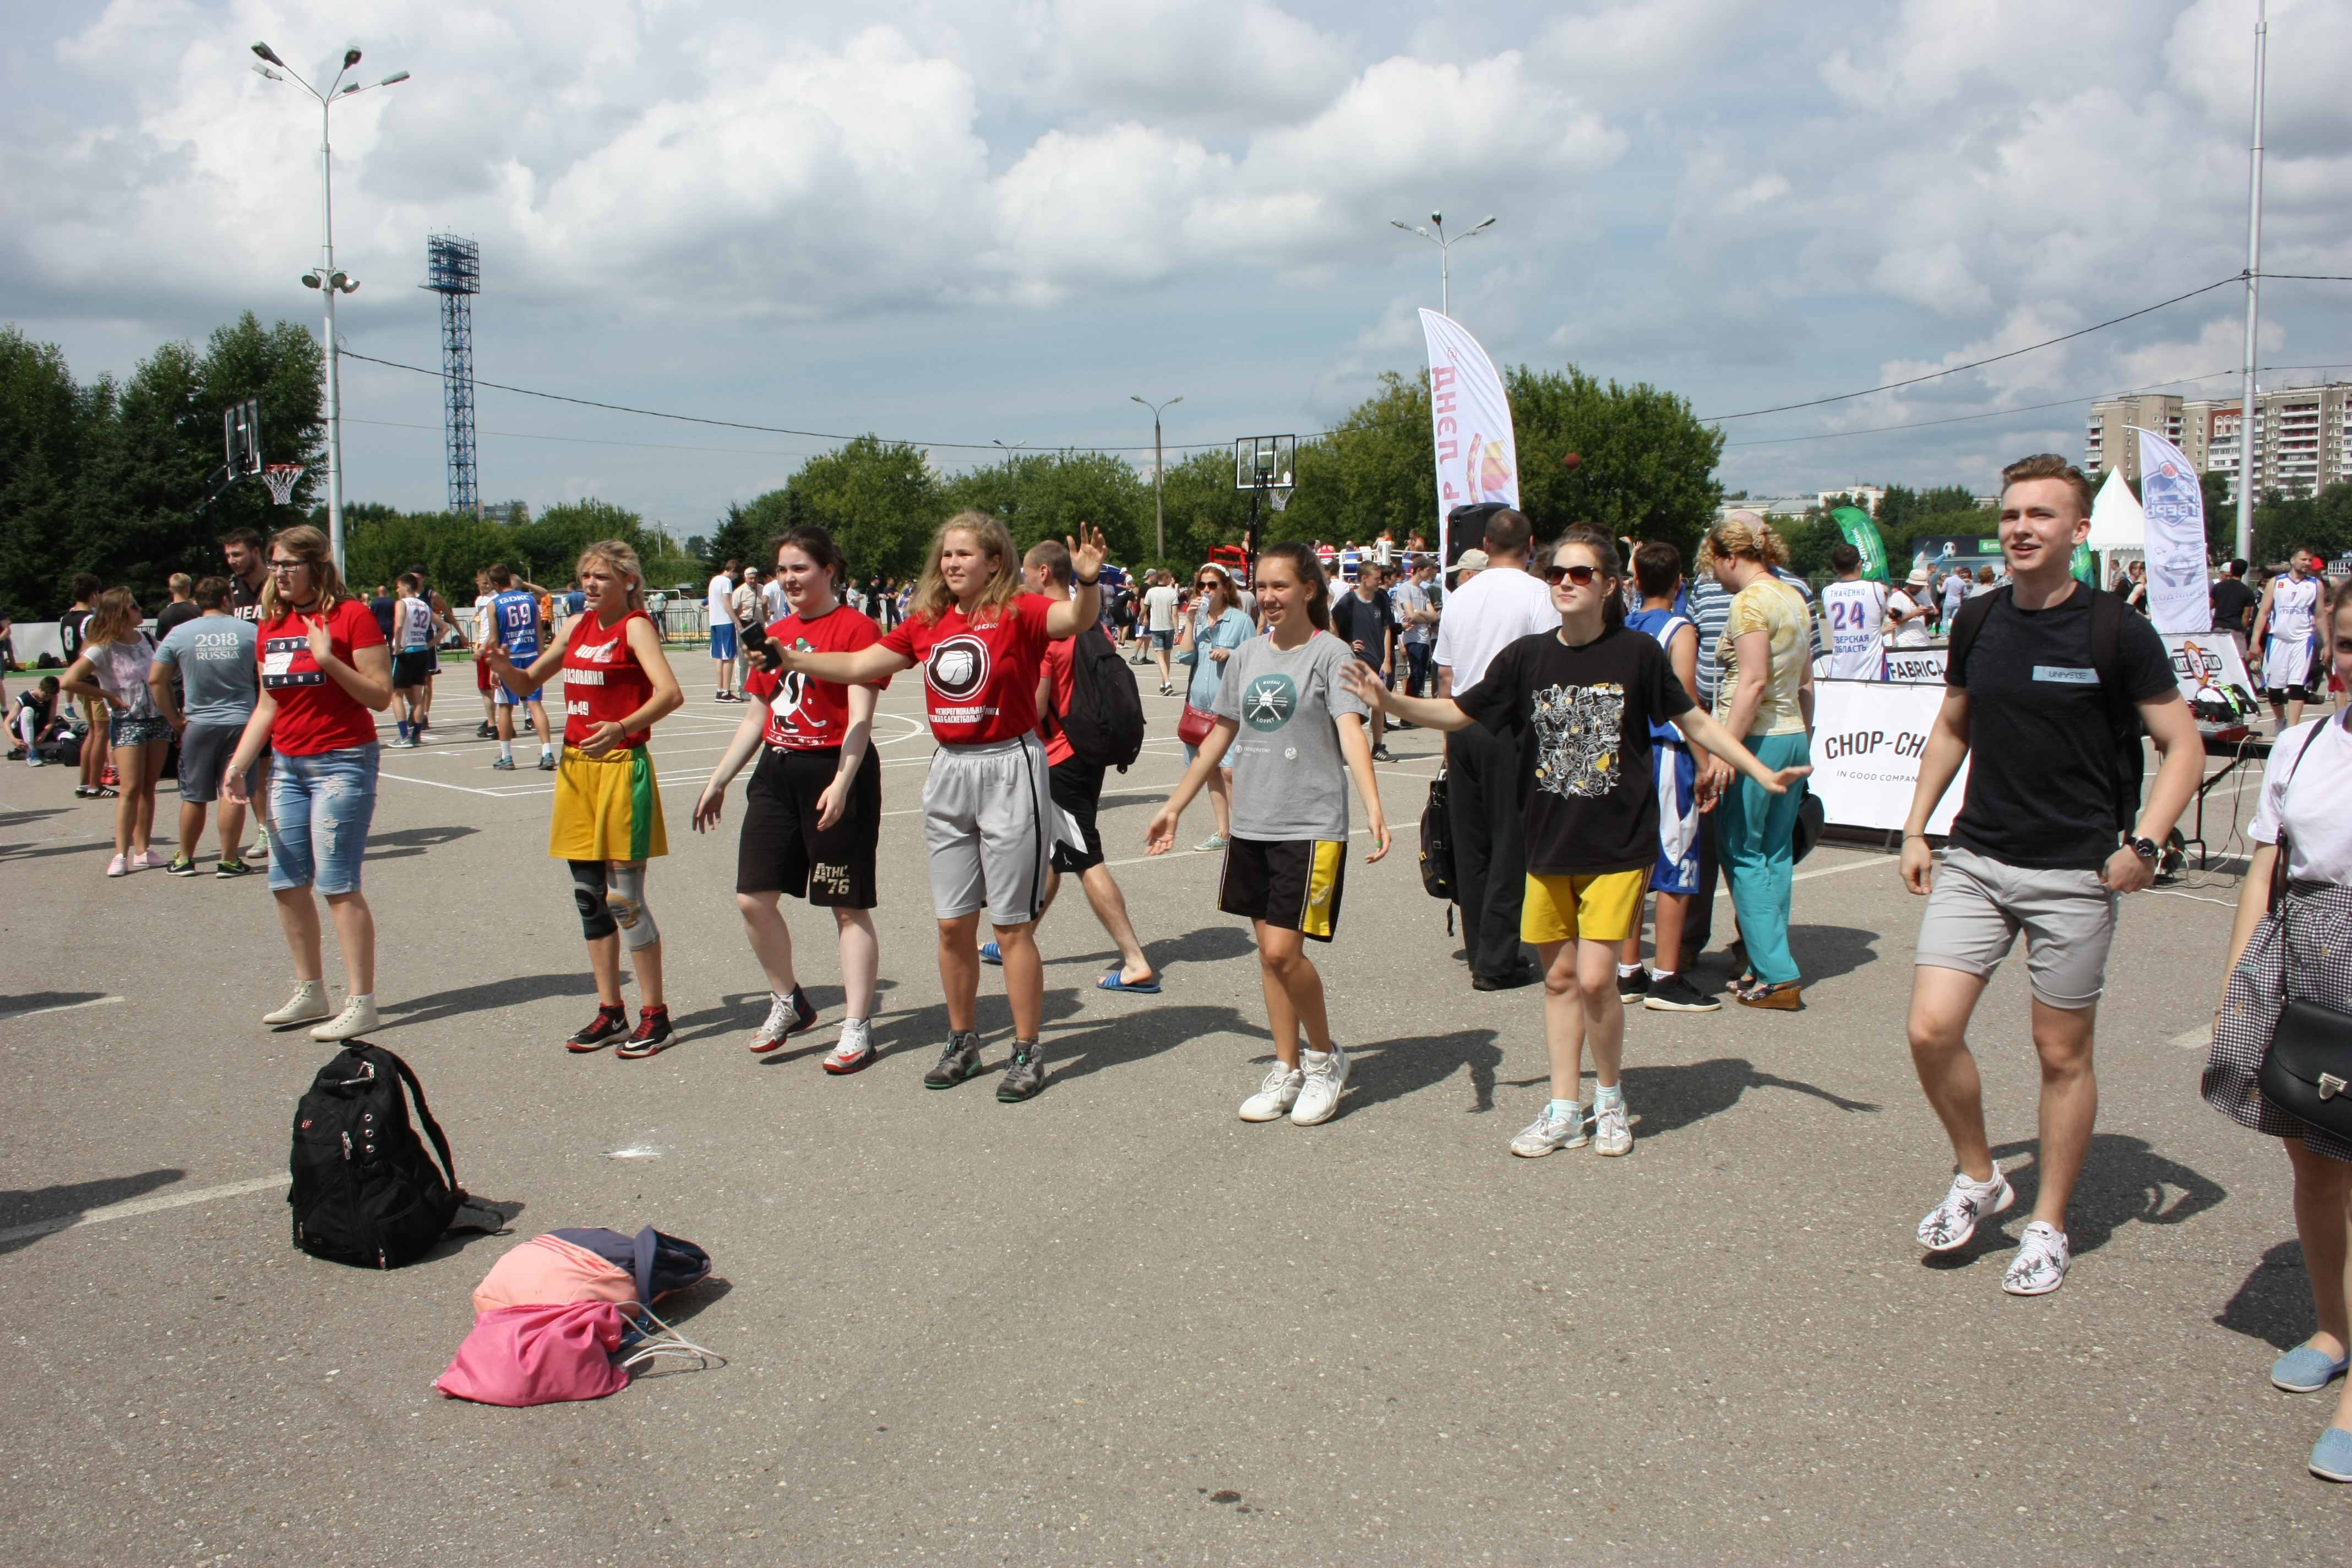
(980, 682)
(315, 714)
(602, 682)
(814, 715)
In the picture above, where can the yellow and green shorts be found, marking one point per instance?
(1603, 907)
(606, 808)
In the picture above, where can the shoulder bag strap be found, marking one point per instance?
(1967, 621)
(432, 1128)
(2280, 903)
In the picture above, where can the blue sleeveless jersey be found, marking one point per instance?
(515, 616)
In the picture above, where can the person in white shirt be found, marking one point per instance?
(1955, 588)
(488, 730)
(1483, 616)
(721, 601)
(1854, 608)
(1160, 619)
(746, 605)
(778, 606)
(1906, 610)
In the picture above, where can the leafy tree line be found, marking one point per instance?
(379, 543)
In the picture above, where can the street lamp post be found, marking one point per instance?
(2254, 296)
(1158, 478)
(326, 277)
(1445, 255)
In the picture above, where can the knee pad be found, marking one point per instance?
(627, 903)
(588, 892)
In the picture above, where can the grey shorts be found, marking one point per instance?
(1978, 905)
(987, 823)
(204, 752)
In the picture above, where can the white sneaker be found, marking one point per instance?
(854, 1050)
(1950, 1223)
(357, 1018)
(1276, 1096)
(1324, 1074)
(1550, 1133)
(1613, 1133)
(2040, 1266)
(259, 854)
(308, 1002)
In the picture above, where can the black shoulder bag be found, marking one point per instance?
(2307, 1070)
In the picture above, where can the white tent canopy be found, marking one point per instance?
(2118, 526)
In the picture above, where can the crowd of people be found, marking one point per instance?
(1617, 731)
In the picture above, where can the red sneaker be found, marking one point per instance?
(652, 1034)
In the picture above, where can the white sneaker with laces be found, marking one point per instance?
(1612, 1130)
(1550, 1133)
(2040, 1266)
(308, 1002)
(1325, 1074)
(357, 1018)
(1276, 1096)
(781, 1018)
(1950, 1223)
(854, 1049)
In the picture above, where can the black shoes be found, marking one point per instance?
(609, 1024)
(1632, 988)
(1525, 975)
(1380, 753)
(652, 1033)
(1025, 1077)
(960, 1061)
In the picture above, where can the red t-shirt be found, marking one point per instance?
(602, 682)
(314, 714)
(811, 715)
(1058, 658)
(980, 682)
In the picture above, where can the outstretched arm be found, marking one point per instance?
(1429, 712)
(1083, 608)
(1702, 731)
(1160, 836)
(866, 665)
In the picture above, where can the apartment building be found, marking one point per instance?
(2302, 436)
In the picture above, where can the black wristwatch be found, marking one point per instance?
(2146, 848)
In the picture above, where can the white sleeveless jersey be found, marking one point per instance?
(2294, 606)
(1855, 611)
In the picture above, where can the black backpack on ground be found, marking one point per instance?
(364, 1192)
(2123, 726)
(1105, 723)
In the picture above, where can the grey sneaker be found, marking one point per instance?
(1324, 1074)
(1025, 1075)
(1613, 1129)
(2040, 1266)
(1550, 1133)
(1276, 1096)
(307, 1004)
(960, 1061)
(1950, 1223)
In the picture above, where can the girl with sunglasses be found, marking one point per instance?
(1214, 628)
(326, 673)
(1580, 700)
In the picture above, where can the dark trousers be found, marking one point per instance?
(1490, 856)
(1698, 924)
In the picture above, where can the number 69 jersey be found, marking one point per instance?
(806, 714)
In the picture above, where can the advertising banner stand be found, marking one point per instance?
(1868, 738)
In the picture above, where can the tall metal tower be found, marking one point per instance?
(453, 269)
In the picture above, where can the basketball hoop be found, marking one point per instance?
(281, 478)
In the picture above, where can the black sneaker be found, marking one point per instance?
(181, 866)
(1525, 975)
(1380, 753)
(1632, 988)
(486, 732)
(960, 1061)
(229, 870)
(1673, 994)
(1025, 1077)
(610, 1022)
(652, 1033)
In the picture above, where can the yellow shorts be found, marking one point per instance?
(606, 808)
(1605, 907)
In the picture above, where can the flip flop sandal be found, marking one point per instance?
(1111, 982)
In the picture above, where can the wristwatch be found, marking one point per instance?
(2146, 848)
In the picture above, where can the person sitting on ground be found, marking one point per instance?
(37, 718)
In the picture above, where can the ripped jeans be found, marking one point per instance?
(319, 809)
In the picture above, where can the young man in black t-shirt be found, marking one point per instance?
(2034, 847)
(1361, 619)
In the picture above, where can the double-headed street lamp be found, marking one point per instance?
(1158, 478)
(326, 276)
(1444, 247)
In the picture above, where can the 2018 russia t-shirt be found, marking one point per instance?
(810, 715)
(979, 681)
(315, 714)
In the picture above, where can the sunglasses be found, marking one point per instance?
(1579, 575)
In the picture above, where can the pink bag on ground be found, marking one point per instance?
(538, 1356)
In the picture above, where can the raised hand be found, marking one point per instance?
(1357, 678)
(1088, 550)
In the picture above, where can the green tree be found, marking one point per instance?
(879, 500)
(1045, 495)
(2285, 524)
(1647, 468)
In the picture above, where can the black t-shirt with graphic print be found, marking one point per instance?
(1582, 718)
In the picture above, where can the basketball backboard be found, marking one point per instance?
(1266, 462)
(241, 437)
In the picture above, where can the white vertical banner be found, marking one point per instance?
(2178, 588)
(1477, 458)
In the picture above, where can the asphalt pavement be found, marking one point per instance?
(1113, 1324)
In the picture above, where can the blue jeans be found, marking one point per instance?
(319, 809)
(1756, 830)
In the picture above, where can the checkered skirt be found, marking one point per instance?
(2319, 915)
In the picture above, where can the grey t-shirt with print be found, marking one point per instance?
(1289, 780)
(214, 655)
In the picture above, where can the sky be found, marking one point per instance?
(962, 224)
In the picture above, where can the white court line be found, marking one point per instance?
(138, 1206)
(61, 1008)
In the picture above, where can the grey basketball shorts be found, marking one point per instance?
(987, 823)
(1978, 905)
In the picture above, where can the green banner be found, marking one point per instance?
(1863, 534)
(2084, 566)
